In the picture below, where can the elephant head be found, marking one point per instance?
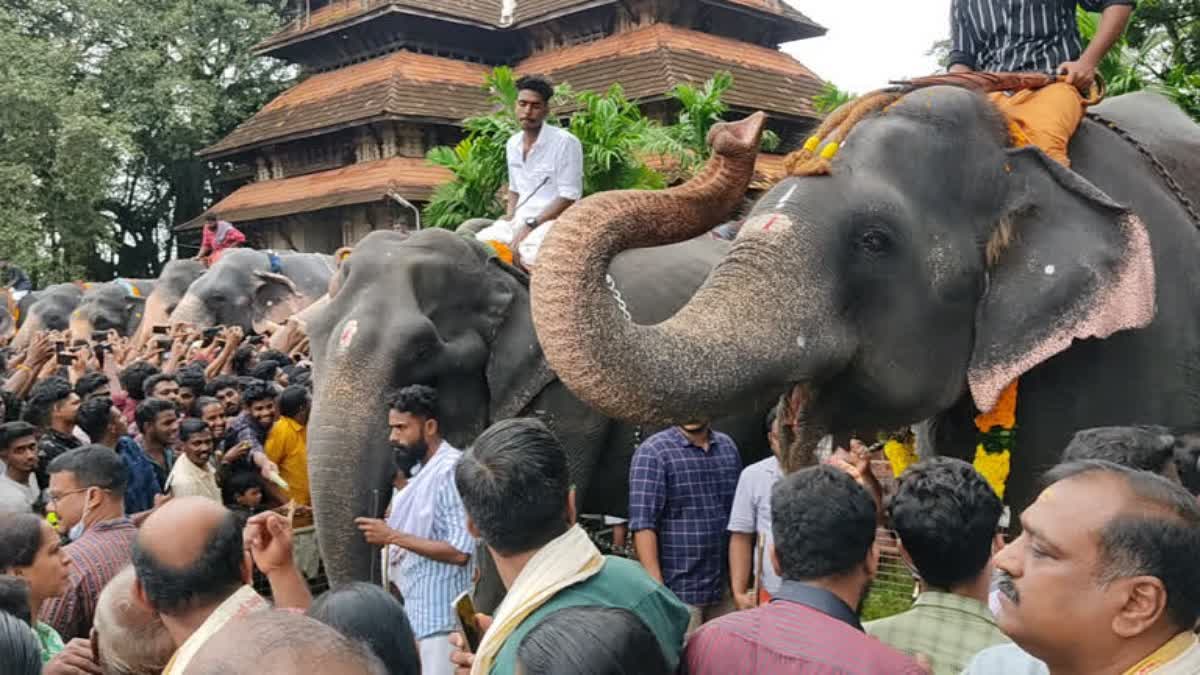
(48, 309)
(117, 305)
(427, 308)
(931, 259)
(172, 284)
(245, 288)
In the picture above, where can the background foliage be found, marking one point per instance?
(103, 105)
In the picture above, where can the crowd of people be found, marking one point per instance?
(143, 491)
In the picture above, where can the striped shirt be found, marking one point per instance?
(685, 493)
(1018, 35)
(98, 556)
(429, 587)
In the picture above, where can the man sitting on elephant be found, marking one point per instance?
(1036, 37)
(545, 174)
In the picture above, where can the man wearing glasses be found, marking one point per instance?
(87, 492)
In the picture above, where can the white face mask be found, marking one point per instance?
(77, 529)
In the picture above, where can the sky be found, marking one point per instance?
(870, 42)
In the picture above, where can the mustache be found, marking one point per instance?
(1008, 588)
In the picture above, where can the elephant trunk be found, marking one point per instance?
(191, 310)
(716, 354)
(153, 314)
(32, 326)
(80, 326)
(349, 465)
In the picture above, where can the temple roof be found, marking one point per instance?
(650, 61)
(400, 85)
(491, 14)
(411, 178)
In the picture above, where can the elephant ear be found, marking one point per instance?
(276, 298)
(516, 369)
(1076, 265)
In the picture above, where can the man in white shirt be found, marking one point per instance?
(19, 491)
(750, 520)
(545, 174)
(194, 475)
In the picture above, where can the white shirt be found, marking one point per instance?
(15, 497)
(189, 480)
(751, 512)
(553, 168)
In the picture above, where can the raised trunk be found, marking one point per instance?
(154, 313)
(25, 334)
(713, 356)
(349, 467)
(192, 311)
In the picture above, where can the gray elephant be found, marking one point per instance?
(170, 287)
(47, 309)
(253, 289)
(117, 305)
(925, 268)
(8, 310)
(438, 308)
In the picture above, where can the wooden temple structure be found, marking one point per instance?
(342, 153)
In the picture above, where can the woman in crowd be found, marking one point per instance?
(30, 550)
(367, 613)
(591, 641)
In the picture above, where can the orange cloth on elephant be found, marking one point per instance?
(1047, 117)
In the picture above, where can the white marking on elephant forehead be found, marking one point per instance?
(786, 196)
(348, 333)
(801, 341)
(768, 222)
(1049, 270)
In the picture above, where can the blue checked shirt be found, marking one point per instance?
(685, 494)
(429, 587)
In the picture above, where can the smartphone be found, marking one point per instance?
(464, 610)
(164, 344)
(64, 358)
(161, 329)
(59, 346)
(99, 336)
(254, 340)
(210, 334)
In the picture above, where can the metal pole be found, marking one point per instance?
(404, 202)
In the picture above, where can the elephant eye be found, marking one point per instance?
(874, 241)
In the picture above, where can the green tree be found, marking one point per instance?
(615, 135)
(831, 98)
(128, 91)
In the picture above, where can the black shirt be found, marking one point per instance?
(1018, 35)
(51, 445)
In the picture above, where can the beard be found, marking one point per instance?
(695, 427)
(407, 455)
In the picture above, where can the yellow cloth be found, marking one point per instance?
(241, 603)
(566, 561)
(189, 480)
(1048, 117)
(287, 446)
(1170, 658)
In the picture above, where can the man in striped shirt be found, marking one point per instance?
(429, 547)
(1036, 36)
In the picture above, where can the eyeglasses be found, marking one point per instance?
(51, 497)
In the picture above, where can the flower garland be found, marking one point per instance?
(997, 430)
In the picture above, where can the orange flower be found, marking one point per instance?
(503, 252)
(1004, 415)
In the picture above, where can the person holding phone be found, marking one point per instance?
(430, 550)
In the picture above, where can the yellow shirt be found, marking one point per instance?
(287, 446)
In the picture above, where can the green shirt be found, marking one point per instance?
(49, 641)
(620, 583)
(948, 629)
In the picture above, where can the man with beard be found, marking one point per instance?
(248, 432)
(825, 551)
(1102, 579)
(431, 549)
(681, 486)
(225, 388)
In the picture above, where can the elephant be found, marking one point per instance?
(927, 266)
(8, 319)
(47, 309)
(117, 305)
(254, 289)
(173, 282)
(434, 307)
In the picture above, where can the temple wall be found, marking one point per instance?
(327, 230)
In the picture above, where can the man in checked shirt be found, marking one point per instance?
(681, 486)
(1036, 36)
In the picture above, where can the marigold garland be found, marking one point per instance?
(502, 250)
(900, 455)
(997, 431)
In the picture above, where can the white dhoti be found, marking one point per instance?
(503, 231)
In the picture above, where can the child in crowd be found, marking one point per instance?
(243, 492)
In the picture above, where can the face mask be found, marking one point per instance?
(76, 530)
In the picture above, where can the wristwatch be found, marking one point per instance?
(532, 223)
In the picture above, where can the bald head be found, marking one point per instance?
(282, 643)
(189, 555)
(131, 638)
